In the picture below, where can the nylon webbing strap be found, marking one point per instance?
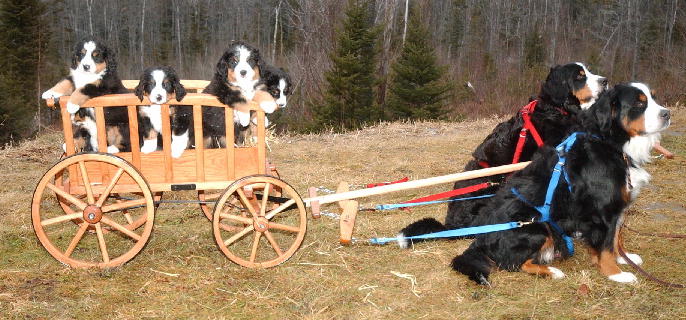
(528, 126)
(451, 193)
(455, 233)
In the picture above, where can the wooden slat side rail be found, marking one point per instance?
(102, 139)
(417, 183)
(261, 145)
(133, 134)
(230, 148)
(68, 133)
(187, 84)
(199, 145)
(166, 144)
(127, 99)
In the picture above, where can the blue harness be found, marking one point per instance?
(558, 170)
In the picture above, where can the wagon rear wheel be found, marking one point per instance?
(103, 193)
(258, 231)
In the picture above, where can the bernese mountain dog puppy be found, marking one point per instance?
(277, 82)
(93, 73)
(160, 84)
(567, 89)
(235, 82)
(590, 199)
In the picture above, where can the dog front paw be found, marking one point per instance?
(149, 146)
(50, 95)
(623, 277)
(112, 149)
(72, 107)
(177, 148)
(556, 273)
(632, 256)
(243, 118)
(268, 106)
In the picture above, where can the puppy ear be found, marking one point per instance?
(110, 60)
(222, 68)
(179, 89)
(140, 88)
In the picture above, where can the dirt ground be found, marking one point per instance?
(182, 274)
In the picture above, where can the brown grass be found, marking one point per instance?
(324, 280)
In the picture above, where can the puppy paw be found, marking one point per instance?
(403, 243)
(266, 121)
(50, 94)
(72, 107)
(112, 149)
(268, 106)
(632, 256)
(64, 147)
(149, 146)
(243, 118)
(177, 148)
(623, 277)
(556, 273)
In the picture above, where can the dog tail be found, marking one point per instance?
(474, 264)
(424, 226)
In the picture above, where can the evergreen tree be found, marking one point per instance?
(534, 50)
(20, 27)
(418, 90)
(349, 99)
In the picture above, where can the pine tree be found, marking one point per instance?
(534, 50)
(418, 90)
(20, 24)
(349, 99)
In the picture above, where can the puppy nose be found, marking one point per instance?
(86, 67)
(603, 82)
(664, 114)
(243, 73)
(159, 97)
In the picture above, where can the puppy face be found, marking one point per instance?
(240, 65)
(160, 84)
(279, 87)
(640, 113)
(573, 84)
(89, 57)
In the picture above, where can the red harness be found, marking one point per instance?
(528, 126)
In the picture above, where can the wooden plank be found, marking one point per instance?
(128, 99)
(166, 144)
(230, 163)
(349, 213)
(261, 143)
(102, 132)
(417, 183)
(187, 84)
(154, 187)
(199, 144)
(133, 135)
(68, 136)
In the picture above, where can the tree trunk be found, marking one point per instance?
(142, 52)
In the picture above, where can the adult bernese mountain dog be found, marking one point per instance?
(589, 200)
(160, 84)
(235, 82)
(93, 73)
(567, 89)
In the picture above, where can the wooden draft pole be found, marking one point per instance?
(349, 207)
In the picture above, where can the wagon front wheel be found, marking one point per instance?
(109, 211)
(254, 227)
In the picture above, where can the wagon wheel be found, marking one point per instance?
(129, 217)
(239, 229)
(213, 195)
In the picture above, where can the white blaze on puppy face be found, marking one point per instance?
(595, 83)
(86, 71)
(87, 64)
(243, 71)
(158, 95)
(281, 100)
(656, 116)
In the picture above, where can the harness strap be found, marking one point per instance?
(528, 126)
(415, 204)
(451, 193)
(456, 232)
(562, 150)
(372, 185)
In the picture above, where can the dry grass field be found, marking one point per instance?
(182, 274)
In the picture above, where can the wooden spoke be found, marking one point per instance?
(280, 208)
(272, 241)
(128, 218)
(274, 225)
(109, 188)
(229, 228)
(255, 245)
(239, 235)
(246, 202)
(139, 222)
(236, 218)
(75, 241)
(121, 228)
(61, 218)
(101, 242)
(74, 200)
(265, 199)
(86, 182)
(123, 205)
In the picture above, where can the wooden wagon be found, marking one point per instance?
(97, 209)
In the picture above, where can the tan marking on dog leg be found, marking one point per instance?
(607, 263)
(151, 134)
(540, 270)
(262, 96)
(64, 87)
(241, 106)
(78, 98)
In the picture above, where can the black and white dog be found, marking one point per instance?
(590, 201)
(93, 73)
(160, 84)
(567, 90)
(235, 82)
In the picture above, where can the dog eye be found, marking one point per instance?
(95, 54)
